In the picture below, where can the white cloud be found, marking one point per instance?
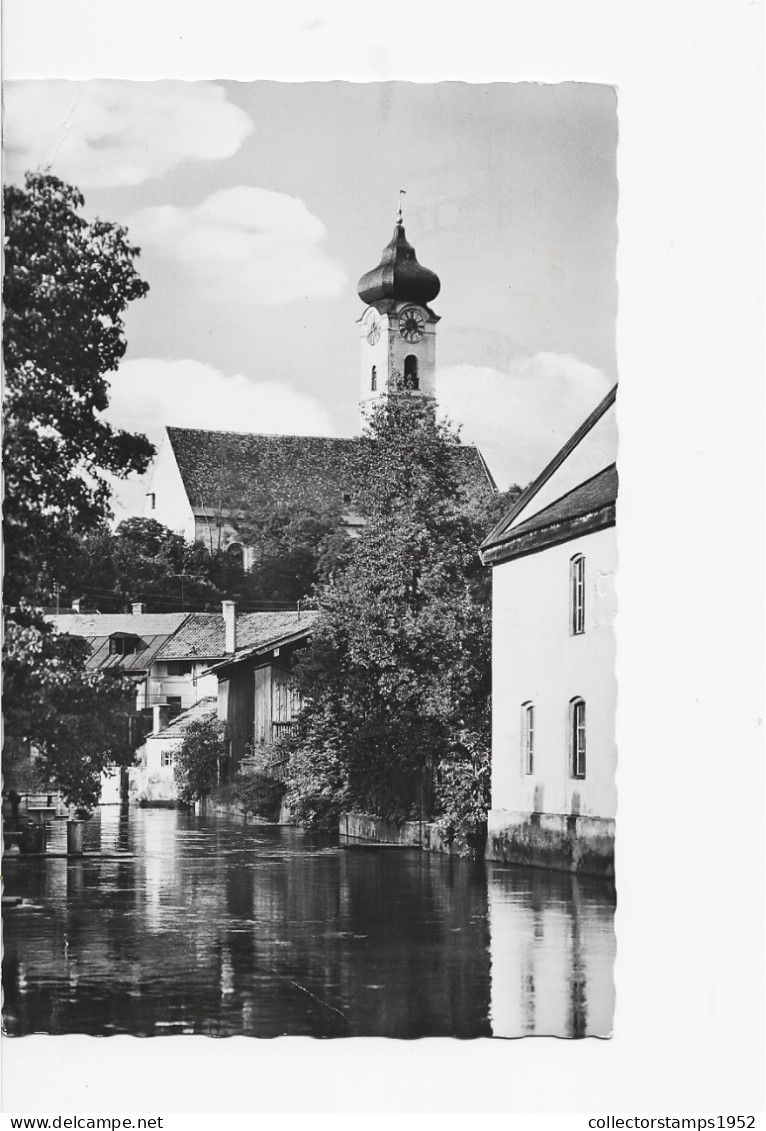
(522, 417)
(148, 393)
(245, 245)
(103, 133)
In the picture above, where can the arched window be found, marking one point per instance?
(577, 595)
(577, 737)
(528, 737)
(374, 378)
(411, 379)
(235, 551)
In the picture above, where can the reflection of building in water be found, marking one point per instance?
(552, 953)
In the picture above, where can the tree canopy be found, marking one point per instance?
(397, 679)
(67, 283)
(142, 560)
(76, 719)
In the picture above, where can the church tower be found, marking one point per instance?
(398, 329)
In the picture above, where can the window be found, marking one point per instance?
(124, 645)
(374, 378)
(166, 758)
(577, 737)
(528, 737)
(180, 667)
(411, 379)
(235, 552)
(577, 595)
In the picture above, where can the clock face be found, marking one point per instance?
(412, 325)
(373, 329)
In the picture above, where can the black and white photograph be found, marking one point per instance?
(310, 559)
(320, 705)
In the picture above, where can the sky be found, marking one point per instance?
(257, 207)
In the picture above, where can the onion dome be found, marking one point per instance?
(399, 275)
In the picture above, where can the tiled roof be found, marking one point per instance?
(297, 636)
(587, 508)
(104, 624)
(227, 471)
(597, 493)
(152, 629)
(178, 726)
(203, 634)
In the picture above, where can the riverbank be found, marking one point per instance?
(426, 835)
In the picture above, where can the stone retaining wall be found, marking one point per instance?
(364, 827)
(566, 843)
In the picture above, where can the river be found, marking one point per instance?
(220, 928)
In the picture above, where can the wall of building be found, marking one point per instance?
(190, 688)
(166, 499)
(151, 781)
(536, 660)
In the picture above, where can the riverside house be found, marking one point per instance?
(553, 558)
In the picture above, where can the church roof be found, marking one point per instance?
(229, 471)
(583, 508)
(226, 472)
(399, 276)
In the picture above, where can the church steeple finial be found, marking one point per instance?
(399, 276)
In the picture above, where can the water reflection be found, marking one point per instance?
(552, 953)
(224, 929)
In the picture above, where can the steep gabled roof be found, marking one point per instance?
(587, 506)
(203, 634)
(223, 472)
(152, 630)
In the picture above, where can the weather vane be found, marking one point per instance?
(402, 192)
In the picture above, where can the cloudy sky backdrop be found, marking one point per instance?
(259, 205)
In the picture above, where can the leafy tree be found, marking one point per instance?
(141, 560)
(397, 680)
(144, 561)
(293, 548)
(198, 760)
(74, 720)
(67, 284)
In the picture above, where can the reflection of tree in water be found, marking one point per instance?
(221, 929)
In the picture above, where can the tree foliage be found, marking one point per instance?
(76, 720)
(293, 549)
(197, 764)
(397, 679)
(67, 284)
(142, 560)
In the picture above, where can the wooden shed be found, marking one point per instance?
(257, 694)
